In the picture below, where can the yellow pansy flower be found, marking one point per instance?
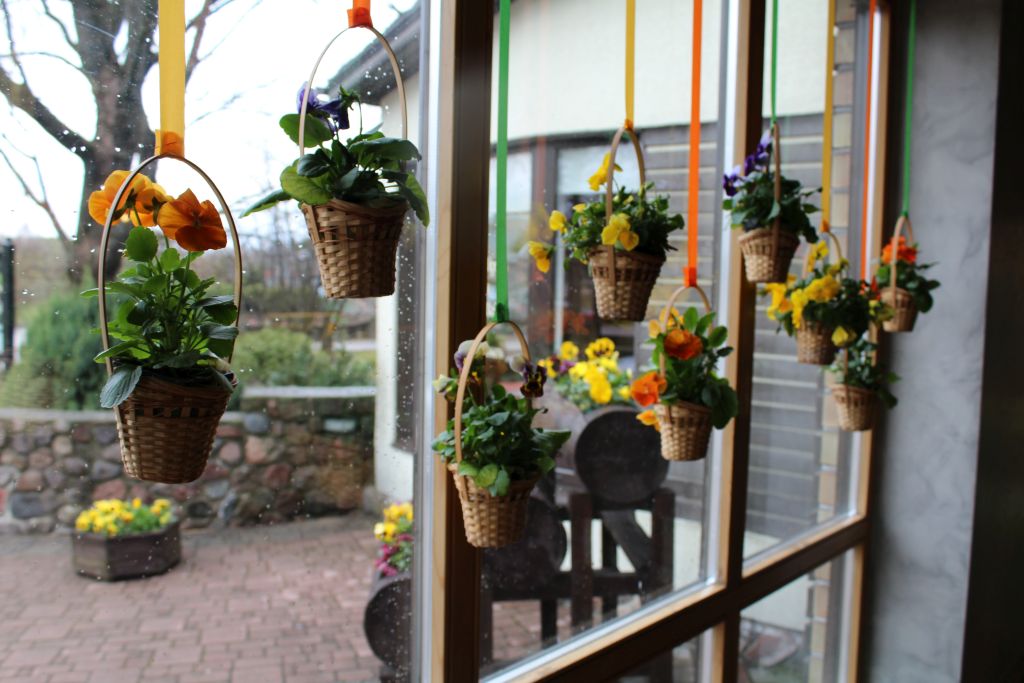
(569, 351)
(799, 300)
(609, 363)
(650, 419)
(549, 366)
(842, 336)
(819, 251)
(579, 208)
(624, 393)
(836, 268)
(557, 221)
(541, 254)
(580, 370)
(777, 290)
(600, 389)
(600, 176)
(600, 347)
(629, 239)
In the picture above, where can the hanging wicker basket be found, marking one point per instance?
(623, 280)
(685, 427)
(356, 245)
(490, 521)
(814, 344)
(166, 430)
(856, 408)
(768, 251)
(898, 299)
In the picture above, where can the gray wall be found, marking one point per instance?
(921, 544)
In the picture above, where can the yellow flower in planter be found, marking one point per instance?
(600, 389)
(600, 176)
(600, 347)
(799, 300)
(541, 254)
(569, 351)
(822, 289)
(624, 393)
(580, 370)
(842, 336)
(650, 419)
(384, 531)
(579, 208)
(629, 240)
(549, 367)
(557, 221)
(819, 251)
(613, 232)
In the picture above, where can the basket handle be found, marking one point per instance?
(609, 184)
(394, 67)
(467, 369)
(667, 311)
(777, 181)
(904, 220)
(101, 281)
(835, 243)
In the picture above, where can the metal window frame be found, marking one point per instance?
(461, 43)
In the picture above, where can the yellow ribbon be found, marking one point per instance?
(630, 59)
(170, 136)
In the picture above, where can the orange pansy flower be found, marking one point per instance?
(645, 390)
(101, 200)
(650, 419)
(195, 226)
(904, 252)
(681, 344)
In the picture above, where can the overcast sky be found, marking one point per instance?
(260, 56)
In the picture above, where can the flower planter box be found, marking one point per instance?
(126, 557)
(387, 622)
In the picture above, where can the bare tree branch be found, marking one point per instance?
(42, 200)
(60, 25)
(10, 42)
(19, 95)
(51, 55)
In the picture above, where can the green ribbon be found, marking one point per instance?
(501, 238)
(775, 50)
(908, 107)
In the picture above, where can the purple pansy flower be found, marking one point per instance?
(732, 181)
(333, 112)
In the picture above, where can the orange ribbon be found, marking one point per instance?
(359, 15)
(693, 191)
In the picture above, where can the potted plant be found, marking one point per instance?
(115, 539)
(491, 447)
(169, 382)
(685, 397)
(823, 309)
(591, 382)
(911, 293)
(353, 192)
(772, 211)
(387, 618)
(860, 385)
(623, 238)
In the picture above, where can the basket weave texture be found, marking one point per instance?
(623, 295)
(685, 430)
(167, 430)
(492, 521)
(904, 310)
(855, 407)
(764, 260)
(355, 247)
(814, 344)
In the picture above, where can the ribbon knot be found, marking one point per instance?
(359, 15)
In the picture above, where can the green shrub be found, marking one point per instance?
(56, 369)
(279, 357)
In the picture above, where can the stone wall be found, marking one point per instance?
(288, 452)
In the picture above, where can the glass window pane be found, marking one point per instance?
(686, 663)
(801, 465)
(799, 633)
(279, 565)
(616, 525)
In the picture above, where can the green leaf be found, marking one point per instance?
(718, 337)
(120, 386)
(141, 244)
(413, 193)
(303, 189)
(139, 314)
(115, 350)
(267, 201)
(501, 483)
(313, 165)
(225, 332)
(387, 148)
(221, 347)
(691, 318)
(467, 469)
(486, 476)
(90, 293)
(546, 464)
(316, 130)
(498, 419)
(183, 360)
(170, 259)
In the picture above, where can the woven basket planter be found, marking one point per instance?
(167, 430)
(814, 344)
(855, 407)
(623, 289)
(766, 259)
(685, 430)
(904, 310)
(355, 247)
(492, 521)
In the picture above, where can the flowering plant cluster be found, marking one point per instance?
(396, 541)
(691, 347)
(750, 196)
(593, 381)
(859, 370)
(499, 444)
(910, 275)
(120, 518)
(167, 322)
(825, 296)
(636, 224)
(365, 169)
